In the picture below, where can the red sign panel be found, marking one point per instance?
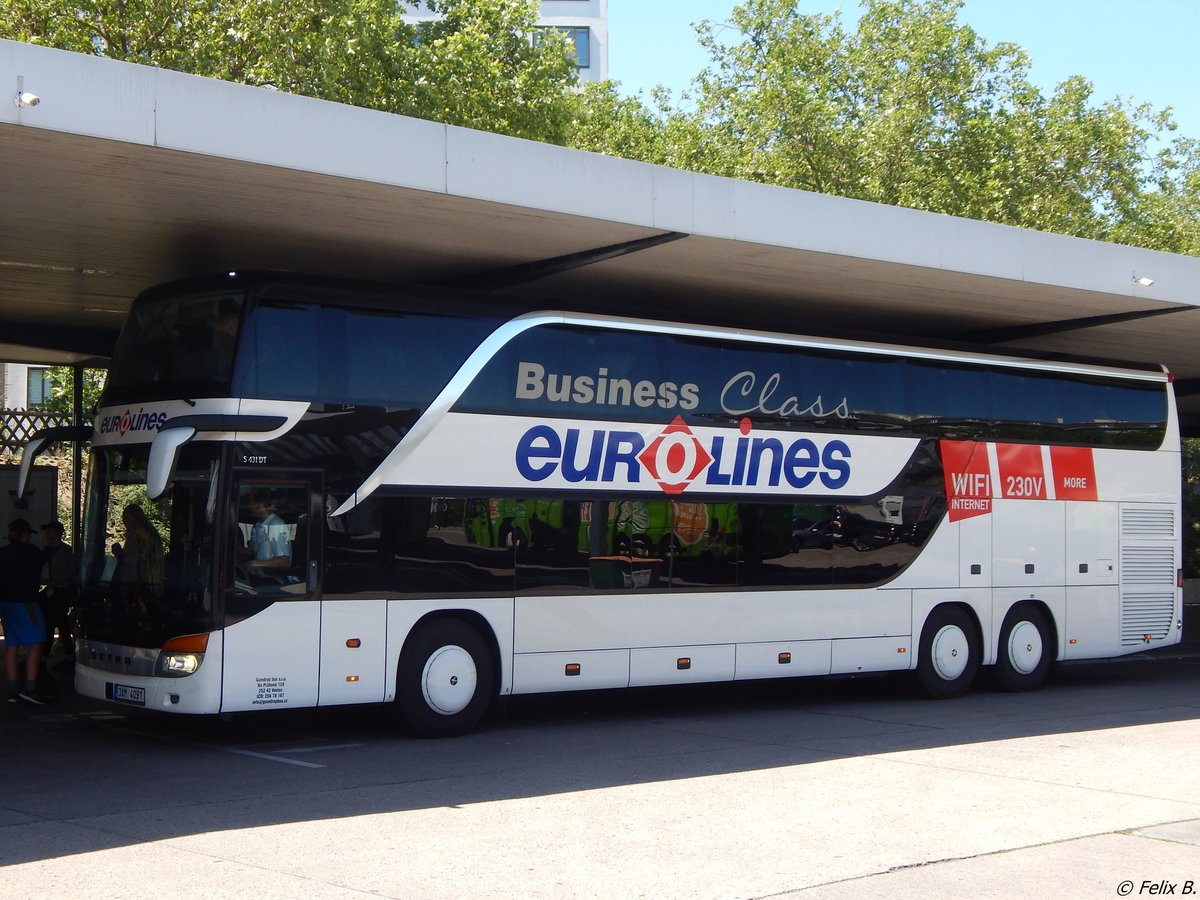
(968, 479)
(1074, 473)
(1022, 473)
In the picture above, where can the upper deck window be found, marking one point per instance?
(180, 346)
(577, 372)
(318, 347)
(342, 355)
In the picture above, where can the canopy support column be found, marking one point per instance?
(77, 458)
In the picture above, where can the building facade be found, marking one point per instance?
(584, 22)
(25, 386)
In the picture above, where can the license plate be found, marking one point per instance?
(124, 693)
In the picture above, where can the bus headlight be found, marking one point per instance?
(182, 656)
(177, 665)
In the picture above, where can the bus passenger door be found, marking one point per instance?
(273, 611)
(354, 608)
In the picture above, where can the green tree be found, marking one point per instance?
(478, 66)
(1191, 508)
(484, 64)
(61, 395)
(1168, 217)
(912, 108)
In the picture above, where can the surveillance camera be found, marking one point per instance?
(27, 98)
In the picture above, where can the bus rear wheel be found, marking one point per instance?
(1026, 650)
(446, 679)
(949, 653)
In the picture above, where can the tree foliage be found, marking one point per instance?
(61, 394)
(912, 108)
(477, 66)
(1191, 508)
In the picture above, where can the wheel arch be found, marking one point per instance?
(468, 617)
(492, 619)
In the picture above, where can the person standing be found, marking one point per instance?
(140, 568)
(59, 595)
(24, 627)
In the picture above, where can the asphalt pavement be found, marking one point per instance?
(826, 788)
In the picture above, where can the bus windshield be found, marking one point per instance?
(147, 563)
(180, 346)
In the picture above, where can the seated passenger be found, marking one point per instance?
(270, 542)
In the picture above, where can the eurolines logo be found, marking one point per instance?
(676, 459)
(128, 421)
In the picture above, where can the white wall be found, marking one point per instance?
(15, 386)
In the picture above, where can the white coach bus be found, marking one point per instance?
(306, 492)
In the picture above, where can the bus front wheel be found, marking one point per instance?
(446, 679)
(1026, 649)
(949, 653)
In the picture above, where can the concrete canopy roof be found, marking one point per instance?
(123, 177)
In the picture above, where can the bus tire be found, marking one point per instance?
(446, 679)
(1026, 649)
(949, 653)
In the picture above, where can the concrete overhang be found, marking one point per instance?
(124, 176)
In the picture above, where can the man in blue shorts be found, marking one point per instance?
(20, 614)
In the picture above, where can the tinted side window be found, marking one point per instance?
(787, 545)
(416, 547)
(617, 375)
(279, 354)
(271, 537)
(347, 356)
(703, 542)
(949, 401)
(565, 545)
(879, 536)
(492, 546)
(378, 358)
(554, 541)
(864, 543)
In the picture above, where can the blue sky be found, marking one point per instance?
(1145, 49)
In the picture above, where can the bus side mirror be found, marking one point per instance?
(164, 452)
(35, 446)
(40, 441)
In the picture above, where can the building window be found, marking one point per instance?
(38, 387)
(579, 37)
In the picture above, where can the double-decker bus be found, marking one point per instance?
(296, 486)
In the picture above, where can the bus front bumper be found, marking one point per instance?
(125, 676)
